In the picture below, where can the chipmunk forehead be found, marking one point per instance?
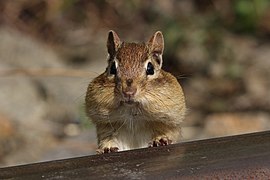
(132, 52)
(131, 58)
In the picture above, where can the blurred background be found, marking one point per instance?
(50, 50)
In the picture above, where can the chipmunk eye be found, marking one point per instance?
(113, 69)
(150, 69)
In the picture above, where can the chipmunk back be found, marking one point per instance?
(135, 103)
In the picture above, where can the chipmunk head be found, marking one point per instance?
(132, 65)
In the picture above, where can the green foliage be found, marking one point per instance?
(75, 10)
(174, 37)
(247, 13)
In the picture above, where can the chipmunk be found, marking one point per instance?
(134, 103)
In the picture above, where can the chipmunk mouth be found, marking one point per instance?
(129, 101)
(128, 97)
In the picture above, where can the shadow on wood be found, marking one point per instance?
(235, 157)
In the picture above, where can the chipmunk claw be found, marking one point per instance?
(107, 150)
(163, 141)
(114, 149)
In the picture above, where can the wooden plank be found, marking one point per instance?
(236, 157)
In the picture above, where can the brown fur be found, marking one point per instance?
(157, 108)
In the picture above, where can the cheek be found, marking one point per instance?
(118, 84)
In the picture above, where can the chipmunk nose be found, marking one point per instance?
(129, 89)
(129, 82)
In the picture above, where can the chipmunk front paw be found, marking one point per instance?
(160, 141)
(107, 150)
(108, 146)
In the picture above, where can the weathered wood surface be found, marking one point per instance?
(237, 157)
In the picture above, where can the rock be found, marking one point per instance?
(223, 124)
(190, 133)
(10, 139)
(7, 128)
(38, 107)
(20, 100)
(22, 51)
(79, 145)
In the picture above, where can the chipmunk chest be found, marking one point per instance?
(129, 113)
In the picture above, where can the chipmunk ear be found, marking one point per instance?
(156, 43)
(113, 42)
